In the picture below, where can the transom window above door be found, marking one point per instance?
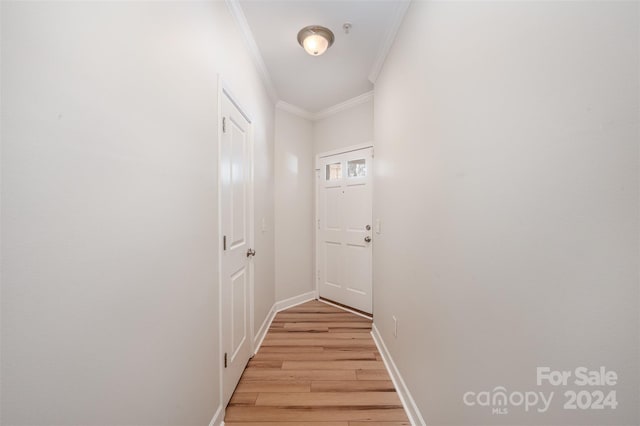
(334, 171)
(357, 168)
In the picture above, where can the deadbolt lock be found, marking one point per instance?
(368, 227)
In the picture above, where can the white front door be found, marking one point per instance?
(344, 236)
(235, 220)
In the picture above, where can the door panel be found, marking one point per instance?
(239, 188)
(235, 175)
(333, 252)
(333, 219)
(344, 255)
(239, 314)
(358, 275)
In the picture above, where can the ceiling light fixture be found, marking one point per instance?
(315, 39)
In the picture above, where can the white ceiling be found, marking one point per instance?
(345, 70)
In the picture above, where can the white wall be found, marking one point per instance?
(507, 186)
(298, 141)
(294, 201)
(352, 126)
(109, 216)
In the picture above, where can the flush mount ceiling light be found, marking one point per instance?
(315, 39)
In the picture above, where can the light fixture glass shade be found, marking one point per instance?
(315, 39)
(315, 44)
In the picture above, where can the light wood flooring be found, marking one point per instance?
(318, 366)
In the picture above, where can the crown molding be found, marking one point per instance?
(295, 110)
(247, 34)
(327, 112)
(385, 47)
(348, 104)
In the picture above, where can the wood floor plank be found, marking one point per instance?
(317, 330)
(275, 386)
(352, 386)
(329, 399)
(326, 355)
(333, 365)
(326, 342)
(271, 349)
(372, 375)
(305, 327)
(276, 325)
(263, 363)
(302, 325)
(242, 398)
(297, 375)
(316, 335)
(278, 414)
(287, 424)
(350, 347)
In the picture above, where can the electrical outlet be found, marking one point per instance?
(395, 326)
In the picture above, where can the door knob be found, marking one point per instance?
(367, 239)
(251, 252)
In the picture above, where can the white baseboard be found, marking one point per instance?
(293, 301)
(277, 307)
(415, 417)
(344, 308)
(257, 341)
(217, 419)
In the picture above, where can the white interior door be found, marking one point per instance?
(235, 221)
(344, 236)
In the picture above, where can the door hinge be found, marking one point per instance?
(225, 360)
(224, 124)
(224, 242)
(318, 223)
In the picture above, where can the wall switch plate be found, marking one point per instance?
(378, 226)
(395, 326)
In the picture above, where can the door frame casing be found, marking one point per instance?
(316, 222)
(224, 90)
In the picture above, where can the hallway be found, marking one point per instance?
(181, 181)
(318, 365)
